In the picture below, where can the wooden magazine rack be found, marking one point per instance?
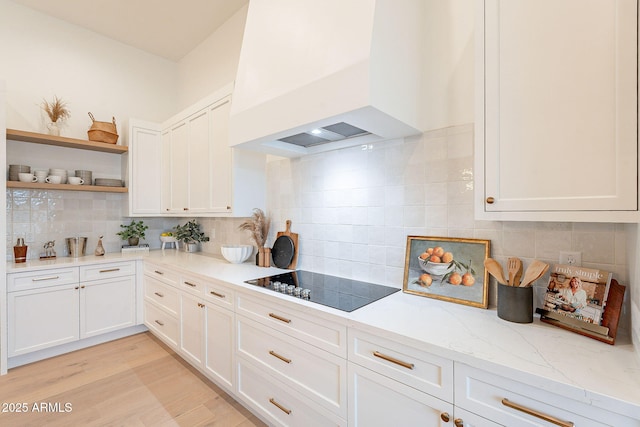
(606, 332)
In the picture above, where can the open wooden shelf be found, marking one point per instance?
(63, 141)
(45, 186)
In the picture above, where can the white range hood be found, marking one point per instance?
(321, 75)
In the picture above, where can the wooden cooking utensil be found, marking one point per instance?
(514, 267)
(294, 239)
(535, 271)
(495, 269)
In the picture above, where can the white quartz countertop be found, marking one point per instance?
(537, 353)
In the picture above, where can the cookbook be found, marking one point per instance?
(577, 292)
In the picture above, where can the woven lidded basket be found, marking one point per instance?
(103, 131)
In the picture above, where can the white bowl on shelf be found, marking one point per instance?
(236, 254)
(168, 239)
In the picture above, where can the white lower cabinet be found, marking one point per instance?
(42, 318)
(513, 403)
(47, 308)
(107, 305)
(277, 403)
(377, 400)
(192, 315)
(391, 383)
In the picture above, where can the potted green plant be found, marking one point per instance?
(190, 235)
(133, 232)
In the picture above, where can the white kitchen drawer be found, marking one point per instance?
(321, 375)
(219, 294)
(107, 271)
(379, 401)
(314, 330)
(484, 394)
(276, 402)
(419, 369)
(42, 278)
(163, 274)
(161, 294)
(192, 284)
(161, 324)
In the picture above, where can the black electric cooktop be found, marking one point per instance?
(336, 292)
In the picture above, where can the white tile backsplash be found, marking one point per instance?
(352, 208)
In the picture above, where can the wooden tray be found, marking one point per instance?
(610, 317)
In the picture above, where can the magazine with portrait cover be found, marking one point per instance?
(577, 292)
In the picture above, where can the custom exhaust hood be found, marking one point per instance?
(315, 76)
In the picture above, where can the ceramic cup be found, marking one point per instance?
(74, 180)
(53, 179)
(41, 175)
(27, 177)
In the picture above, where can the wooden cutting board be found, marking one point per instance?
(294, 238)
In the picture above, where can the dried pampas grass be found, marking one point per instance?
(258, 225)
(56, 110)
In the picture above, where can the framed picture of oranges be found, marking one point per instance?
(450, 269)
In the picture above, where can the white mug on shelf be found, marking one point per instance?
(53, 179)
(74, 180)
(27, 177)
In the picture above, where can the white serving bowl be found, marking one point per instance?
(236, 254)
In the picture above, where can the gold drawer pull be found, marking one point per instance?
(284, 359)
(393, 360)
(111, 270)
(282, 319)
(159, 294)
(548, 418)
(217, 294)
(39, 279)
(490, 200)
(158, 272)
(190, 284)
(159, 322)
(279, 406)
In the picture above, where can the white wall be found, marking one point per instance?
(449, 63)
(43, 56)
(213, 63)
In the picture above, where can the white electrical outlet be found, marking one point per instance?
(571, 258)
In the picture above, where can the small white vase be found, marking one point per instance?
(53, 129)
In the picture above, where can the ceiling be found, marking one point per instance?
(167, 28)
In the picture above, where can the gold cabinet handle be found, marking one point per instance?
(159, 322)
(185, 209)
(77, 287)
(39, 279)
(200, 305)
(282, 319)
(217, 294)
(393, 360)
(158, 272)
(458, 422)
(159, 294)
(82, 287)
(445, 417)
(279, 406)
(190, 284)
(111, 270)
(490, 200)
(228, 208)
(284, 359)
(553, 420)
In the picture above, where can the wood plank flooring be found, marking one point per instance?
(134, 381)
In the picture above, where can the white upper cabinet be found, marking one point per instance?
(556, 103)
(144, 168)
(186, 167)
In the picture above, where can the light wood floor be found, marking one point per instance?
(134, 381)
